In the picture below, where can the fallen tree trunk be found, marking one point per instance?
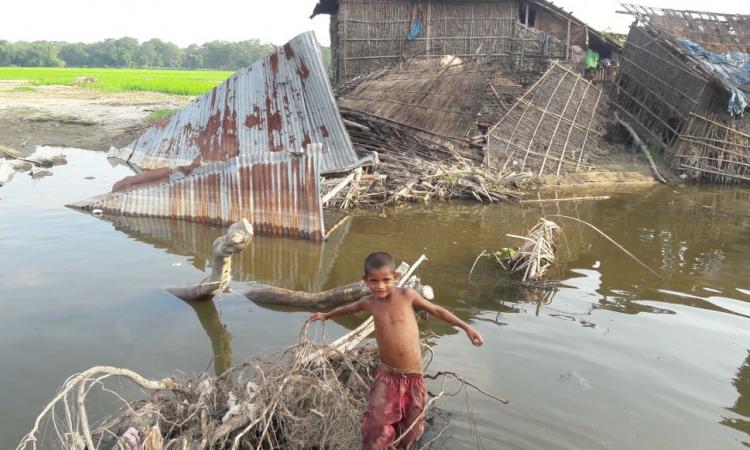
(307, 300)
(347, 293)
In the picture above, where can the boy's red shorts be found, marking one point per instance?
(395, 402)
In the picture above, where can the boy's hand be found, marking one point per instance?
(318, 316)
(474, 337)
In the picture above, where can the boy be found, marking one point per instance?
(397, 396)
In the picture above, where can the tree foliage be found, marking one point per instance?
(128, 52)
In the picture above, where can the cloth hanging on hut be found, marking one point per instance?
(416, 22)
(592, 59)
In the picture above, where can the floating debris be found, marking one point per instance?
(534, 257)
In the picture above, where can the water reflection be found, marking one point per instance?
(220, 337)
(282, 262)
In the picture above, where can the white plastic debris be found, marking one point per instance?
(97, 212)
(450, 61)
(6, 172)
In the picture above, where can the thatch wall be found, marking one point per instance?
(548, 21)
(554, 128)
(371, 34)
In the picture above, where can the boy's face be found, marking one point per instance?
(381, 282)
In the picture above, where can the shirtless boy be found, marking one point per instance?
(397, 396)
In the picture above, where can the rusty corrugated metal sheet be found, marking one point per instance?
(278, 194)
(281, 102)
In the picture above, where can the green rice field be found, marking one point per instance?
(180, 82)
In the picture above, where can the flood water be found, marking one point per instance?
(611, 358)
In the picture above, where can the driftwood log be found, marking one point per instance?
(307, 300)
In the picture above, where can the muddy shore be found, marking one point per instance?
(69, 116)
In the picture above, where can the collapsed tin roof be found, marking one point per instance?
(253, 147)
(279, 195)
(281, 102)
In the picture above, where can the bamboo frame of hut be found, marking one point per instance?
(551, 127)
(673, 101)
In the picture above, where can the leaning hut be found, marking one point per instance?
(684, 84)
(368, 35)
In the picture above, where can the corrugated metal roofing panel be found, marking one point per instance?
(281, 102)
(279, 194)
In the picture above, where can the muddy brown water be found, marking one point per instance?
(612, 358)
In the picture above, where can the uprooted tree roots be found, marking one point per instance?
(309, 395)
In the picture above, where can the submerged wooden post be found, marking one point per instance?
(237, 237)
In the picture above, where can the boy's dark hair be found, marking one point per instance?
(379, 260)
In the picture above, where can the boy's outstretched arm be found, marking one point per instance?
(351, 308)
(447, 316)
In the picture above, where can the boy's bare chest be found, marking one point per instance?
(393, 313)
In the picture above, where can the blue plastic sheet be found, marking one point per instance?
(733, 68)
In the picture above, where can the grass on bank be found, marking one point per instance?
(158, 114)
(179, 82)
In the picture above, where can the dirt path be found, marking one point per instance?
(74, 117)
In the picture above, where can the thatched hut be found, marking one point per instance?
(368, 35)
(680, 89)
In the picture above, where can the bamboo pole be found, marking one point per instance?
(567, 199)
(721, 174)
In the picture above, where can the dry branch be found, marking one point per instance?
(643, 149)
